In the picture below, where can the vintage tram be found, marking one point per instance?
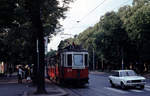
(69, 66)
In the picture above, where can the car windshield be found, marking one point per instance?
(127, 73)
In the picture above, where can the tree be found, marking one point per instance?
(54, 13)
(29, 20)
(14, 33)
(140, 33)
(113, 37)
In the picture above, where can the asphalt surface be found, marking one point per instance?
(99, 86)
(10, 87)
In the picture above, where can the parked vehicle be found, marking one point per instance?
(69, 66)
(126, 78)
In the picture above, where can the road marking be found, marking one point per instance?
(116, 90)
(133, 90)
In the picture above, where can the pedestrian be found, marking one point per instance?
(10, 71)
(28, 78)
(20, 74)
(26, 71)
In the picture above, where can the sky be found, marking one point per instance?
(88, 13)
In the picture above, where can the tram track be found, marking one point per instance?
(75, 92)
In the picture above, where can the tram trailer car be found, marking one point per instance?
(69, 67)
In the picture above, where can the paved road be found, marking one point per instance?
(99, 86)
(10, 87)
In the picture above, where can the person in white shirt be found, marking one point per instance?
(20, 74)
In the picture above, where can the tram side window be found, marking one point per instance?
(69, 59)
(86, 60)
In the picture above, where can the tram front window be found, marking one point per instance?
(78, 60)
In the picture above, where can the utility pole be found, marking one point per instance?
(46, 51)
(122, 61)
(93, 60)
(122, 64)
(37, 43)
(102, 64)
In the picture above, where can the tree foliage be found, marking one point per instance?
(22, 23)
(121, 36)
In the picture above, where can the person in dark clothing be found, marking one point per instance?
(28, 78)
(10, 71)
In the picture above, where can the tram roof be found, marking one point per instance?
(73, 50)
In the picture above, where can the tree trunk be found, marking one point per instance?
(34, 58)
(37, 25)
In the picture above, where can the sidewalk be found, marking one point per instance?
(26, 88)
(52, 90)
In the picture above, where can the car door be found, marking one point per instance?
(115, 77)
(119, 78)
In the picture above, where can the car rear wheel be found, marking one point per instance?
(112, 84)
(123, 86)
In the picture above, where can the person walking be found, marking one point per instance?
(20, 74)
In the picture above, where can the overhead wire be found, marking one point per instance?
(95, 9)
(89, 13)
(92, 10)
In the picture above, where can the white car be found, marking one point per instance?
(126, 78)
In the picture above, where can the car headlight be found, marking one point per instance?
(129, 81)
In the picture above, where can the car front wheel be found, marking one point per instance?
(123, 86)
(112, 84)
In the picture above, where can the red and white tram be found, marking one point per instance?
(69, 66)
